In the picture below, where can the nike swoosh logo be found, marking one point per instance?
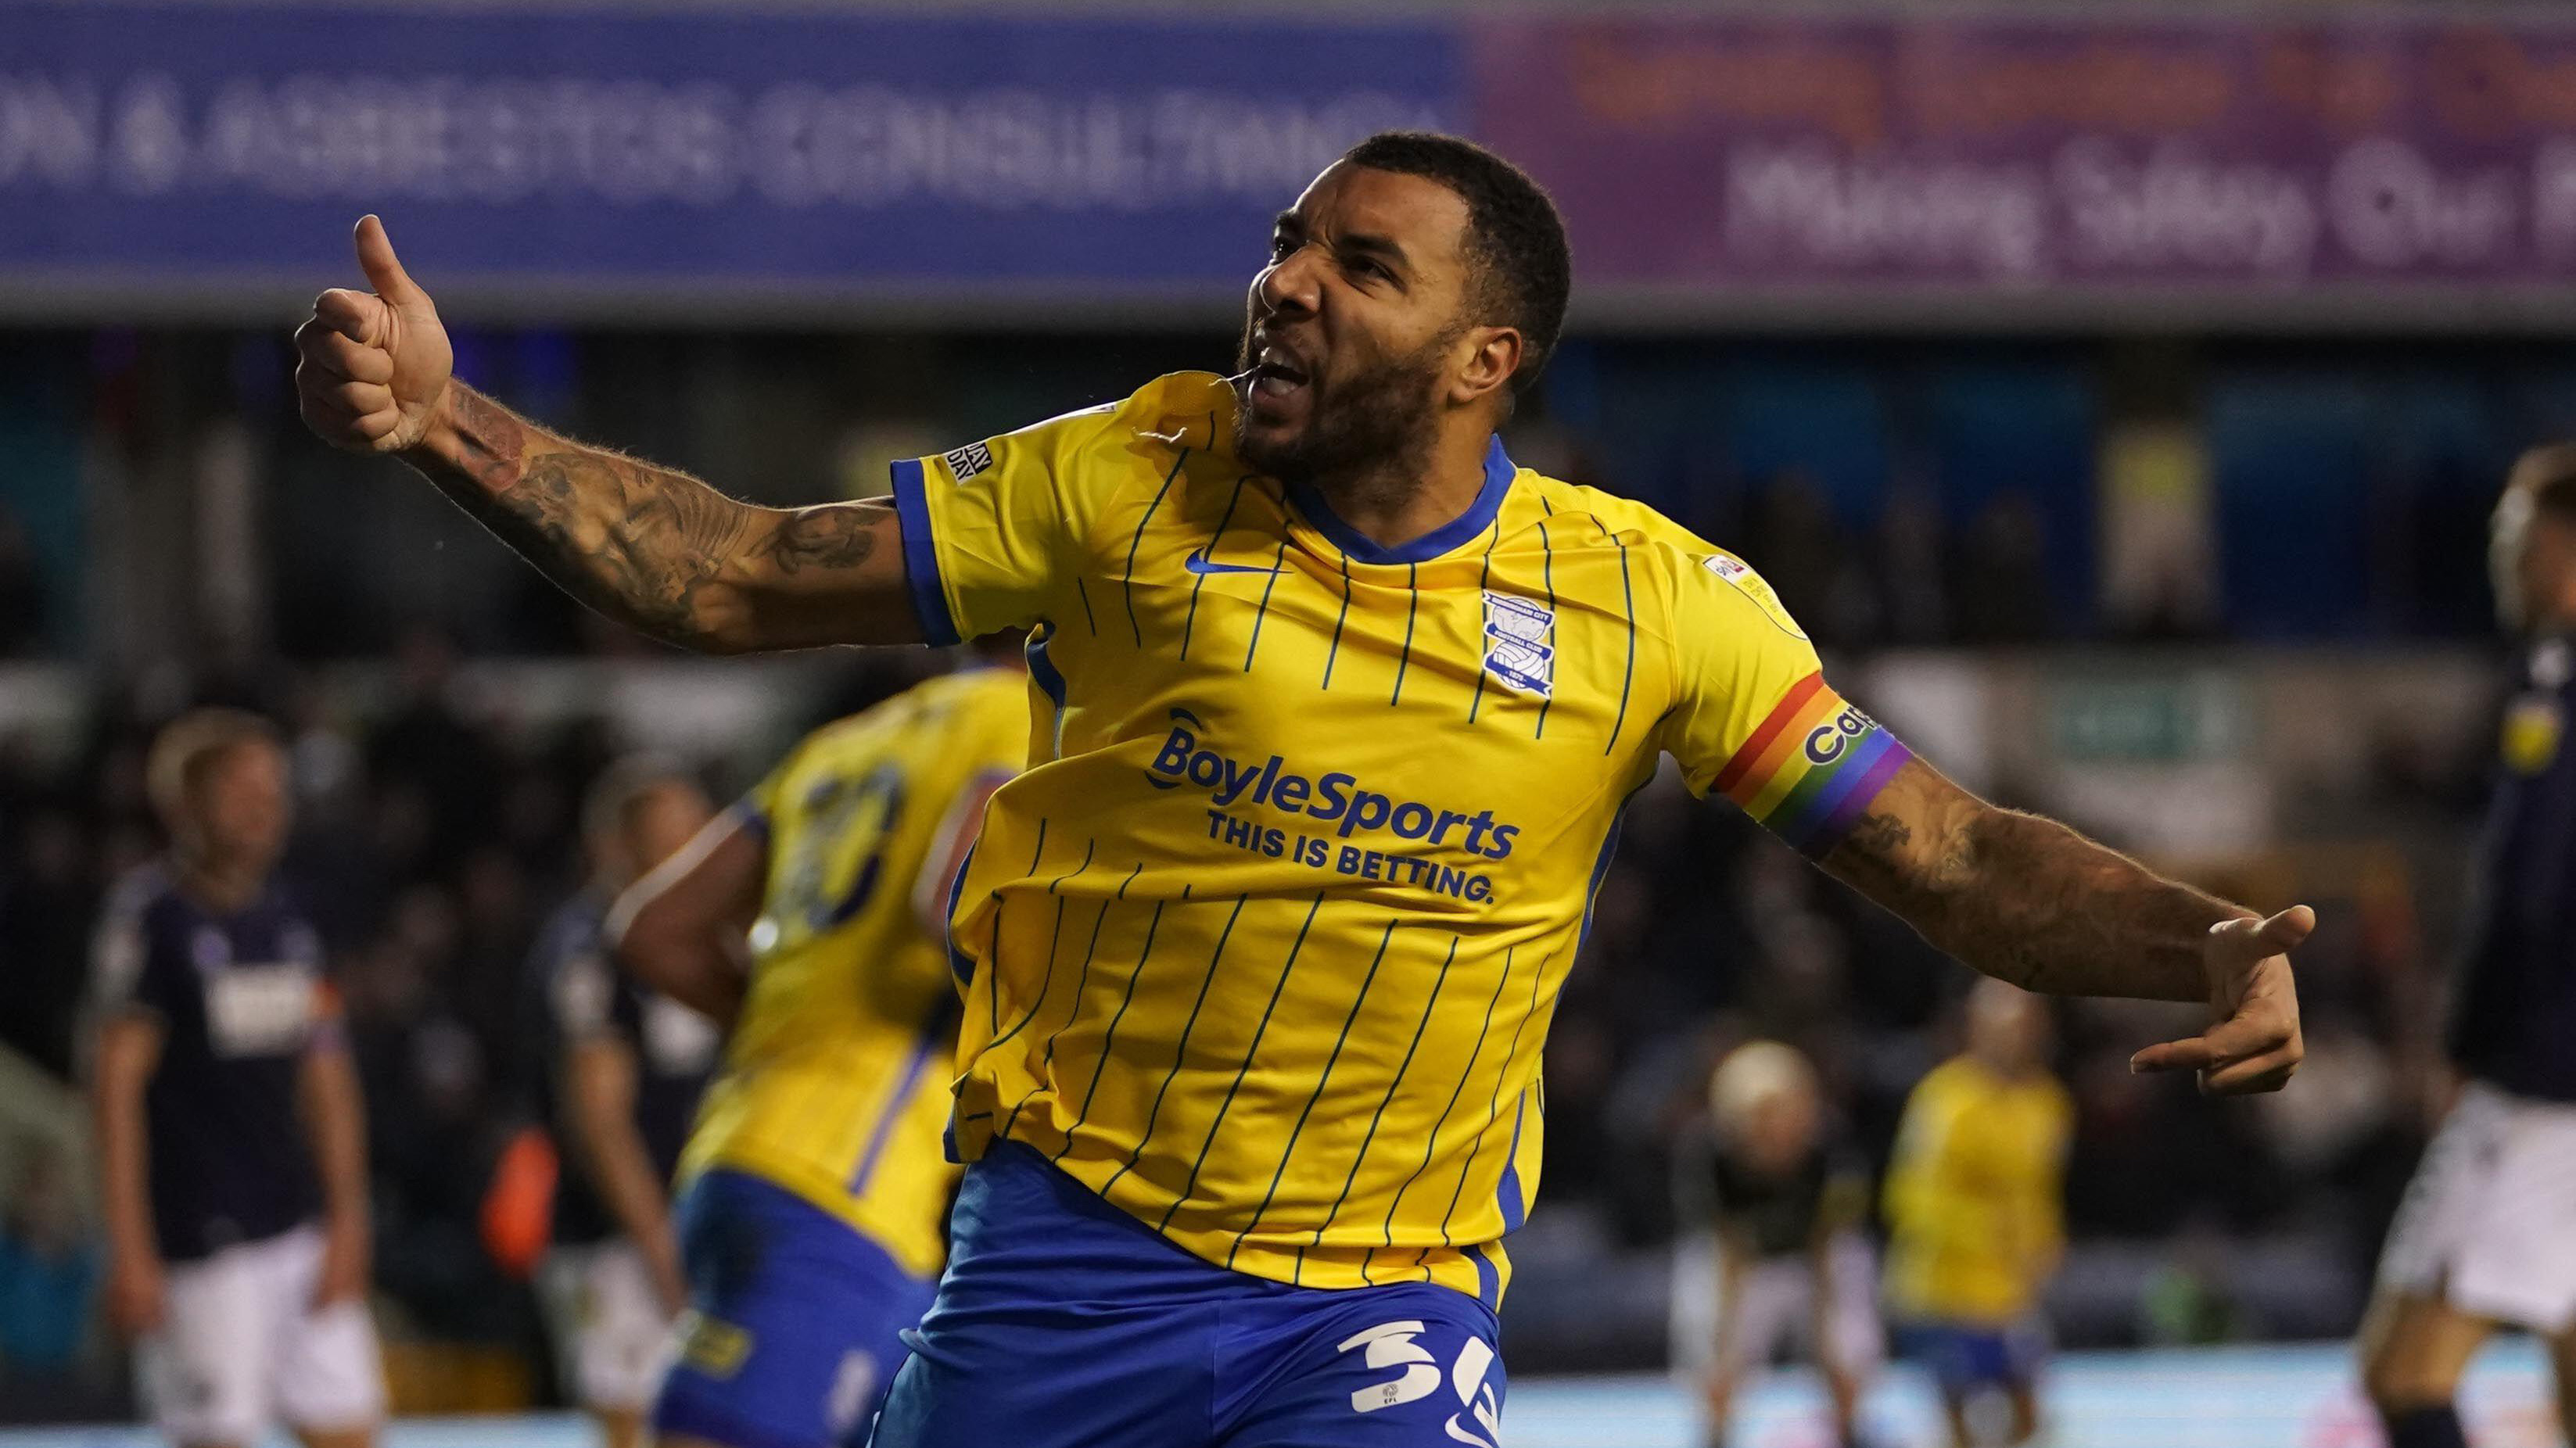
(1464, 1435)
(1198, 563)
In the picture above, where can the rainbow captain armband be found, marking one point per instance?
(1811, 767)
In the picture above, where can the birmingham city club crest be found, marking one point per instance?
(1520, 643)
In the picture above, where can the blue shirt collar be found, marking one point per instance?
(1499, 470)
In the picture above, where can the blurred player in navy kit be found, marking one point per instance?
(231, 1142)
(624, 1071)
(1783, 1204)
(2486, 1237)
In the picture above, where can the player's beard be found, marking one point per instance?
(1376, 424)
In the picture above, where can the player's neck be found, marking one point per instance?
(221, 886)
(1411, 494)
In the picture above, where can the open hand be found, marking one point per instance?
(2253, 1043)
(373, 366)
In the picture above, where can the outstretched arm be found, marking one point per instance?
(649, 546)
(2032, 902)
(660, 551)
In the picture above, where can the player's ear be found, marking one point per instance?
(1491, 356)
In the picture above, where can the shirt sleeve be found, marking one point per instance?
(125, 972)
(757, 810)
(582, 986)
(993, 531)
(1695, 1201)
(1755, 720)
(1911, 1193)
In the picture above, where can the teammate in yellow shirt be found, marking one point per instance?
(813, 1190)
(1975, 1218)
(1340, 710)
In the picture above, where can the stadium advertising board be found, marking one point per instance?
(1998, 156)
(678, 160)
(706, 164)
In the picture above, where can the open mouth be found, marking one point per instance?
(1276, 375)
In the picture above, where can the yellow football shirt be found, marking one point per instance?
(1974, 1194)
(1263, 945)
(835, 1079)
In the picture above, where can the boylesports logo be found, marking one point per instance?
(1336, 798)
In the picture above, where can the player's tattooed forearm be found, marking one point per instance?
(491, 442)
(641, 544)
(832, 536)
(2040, 905)
(1881, 835)
(2028, 900)
(651, 547)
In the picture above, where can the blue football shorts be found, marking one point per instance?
(793, 1323)
(1964, 1356)
(1062, 1322)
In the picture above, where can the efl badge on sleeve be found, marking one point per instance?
(1520, 643)
(1752, 586)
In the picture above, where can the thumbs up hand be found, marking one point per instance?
(373, 366)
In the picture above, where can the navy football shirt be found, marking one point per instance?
(1776, 1213)
(2513, 1013)
(240, 997)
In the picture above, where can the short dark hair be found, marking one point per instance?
(1520, 269)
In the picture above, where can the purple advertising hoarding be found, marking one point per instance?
(2382, 161)
(650, 160)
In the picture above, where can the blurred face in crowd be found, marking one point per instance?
(1355, 331)
(651, 828)
(2531, 555)
(1782, 1127)
(663, 819)
(235, 814)
(2008, 1028)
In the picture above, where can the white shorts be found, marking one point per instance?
(1777, 1310)
(2488, 1225)
(609, 1332)
(241, 1346)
